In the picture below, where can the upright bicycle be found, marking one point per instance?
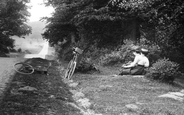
(72, 64)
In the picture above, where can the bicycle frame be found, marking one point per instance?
(75, 57)
(72, 64)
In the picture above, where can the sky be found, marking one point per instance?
(38, 10)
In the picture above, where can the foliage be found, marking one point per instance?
(86, 66)
(163, 70)
(168, 18)
(93, 54)
(19, 50)
(160, 21)
(120, 55)
(100, 22)
(6, 44)
(13, 17)
(123, 54)
(108, 22)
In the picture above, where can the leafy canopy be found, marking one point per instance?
(13, 18)
(108, 21)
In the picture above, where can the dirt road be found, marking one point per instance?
(6, 70)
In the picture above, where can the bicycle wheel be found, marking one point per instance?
(23, 68)
(70, 70)
(67, 69)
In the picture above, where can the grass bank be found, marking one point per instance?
(127, 95)
(38, 94)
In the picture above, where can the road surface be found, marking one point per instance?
(6, 70)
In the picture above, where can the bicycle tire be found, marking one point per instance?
(70, 70)
(22, 64)
(67, 69)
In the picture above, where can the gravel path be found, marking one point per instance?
(6, 70)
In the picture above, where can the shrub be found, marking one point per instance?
(93, 54)
(163, 70)
(85, 67)
(90, 59)
(2, 54)
(13, 50)
(121, 55)
(19, 50)
(112, 58)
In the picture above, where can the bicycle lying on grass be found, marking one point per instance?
(72, 64)
(24, 68)
(34, 65)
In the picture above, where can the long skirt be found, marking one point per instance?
(137, 70)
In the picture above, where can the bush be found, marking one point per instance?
(13, 50)
(85, 67)
(121, 55)
(2, 54)
(110, 59)
(19, 50)
(163, 70)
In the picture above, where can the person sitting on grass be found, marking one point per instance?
(137, 67)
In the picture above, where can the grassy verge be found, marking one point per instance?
(112, 95)
(37, 94)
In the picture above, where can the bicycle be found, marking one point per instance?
(23, 68)
(72, 64)
(37, 66)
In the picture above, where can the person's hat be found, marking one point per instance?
(144, 50)
(138, 50)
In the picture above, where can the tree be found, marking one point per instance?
(108, 22)
(91, 19)
(163, 24)
(13, 18)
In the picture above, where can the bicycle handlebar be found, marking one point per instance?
(77, 50)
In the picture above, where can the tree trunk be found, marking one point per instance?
(134, 31)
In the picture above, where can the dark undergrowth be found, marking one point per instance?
(37, 94)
